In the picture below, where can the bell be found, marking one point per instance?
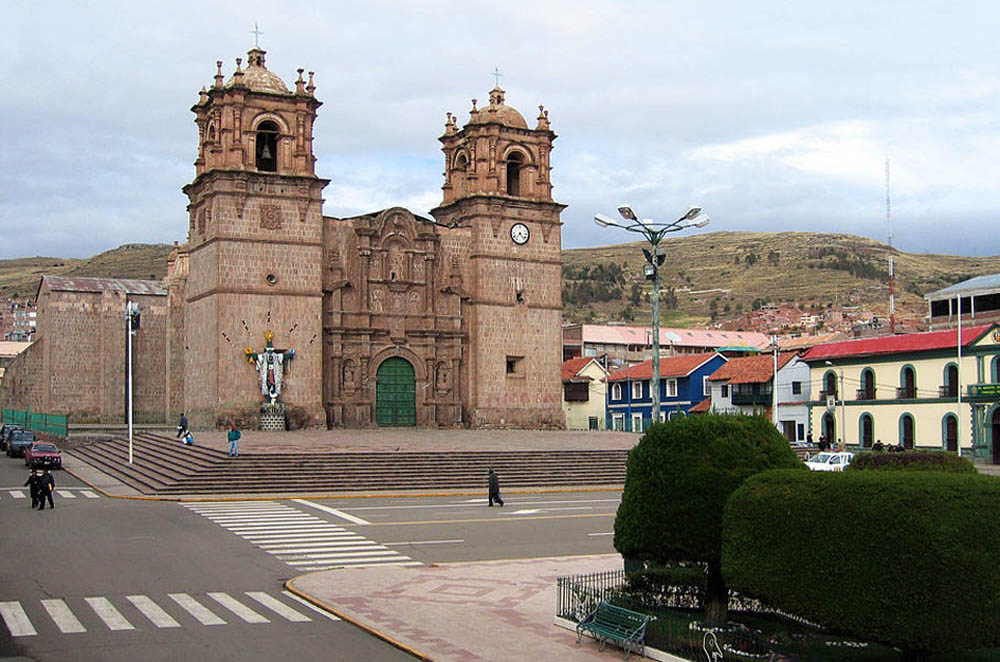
(266, 152)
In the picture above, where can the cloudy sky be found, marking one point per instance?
(773, 116)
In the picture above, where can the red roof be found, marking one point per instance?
(572, 367)
(704, 405)
(674, 366)
(900, 344)
(750, 369)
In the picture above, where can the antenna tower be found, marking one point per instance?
(888, 219)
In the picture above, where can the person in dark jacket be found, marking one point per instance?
(182, 426)
(495, 489)
(46, 483)
(32, 483)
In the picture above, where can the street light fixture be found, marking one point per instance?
(654, 231)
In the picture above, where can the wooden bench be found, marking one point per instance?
(625, 627)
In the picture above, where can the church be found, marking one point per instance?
(387, 318)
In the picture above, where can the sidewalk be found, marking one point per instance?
(462, 612)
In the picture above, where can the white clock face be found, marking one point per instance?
(519, 233)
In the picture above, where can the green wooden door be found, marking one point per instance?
(395, 394)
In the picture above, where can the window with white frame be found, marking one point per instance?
(616, 392)
(637, 423)
(706, 388)
(618, 422)
(725, 390)
(671, 388)
(636, 390)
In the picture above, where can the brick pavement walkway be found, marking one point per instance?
(463, 612)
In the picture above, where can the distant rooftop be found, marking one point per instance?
(987, 284)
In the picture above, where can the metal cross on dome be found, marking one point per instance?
(497, 75)
(256, 32)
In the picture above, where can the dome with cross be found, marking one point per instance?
(497, 112)
(256, 76)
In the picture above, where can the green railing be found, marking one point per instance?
(37, 421)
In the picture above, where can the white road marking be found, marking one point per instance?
(153, 611)
(332, 617)
(346, 564)
(17, 494)
(278, 607)
(66, 494)
(609, 533)
(16, 619)
(238, 608)
(316, 552)
(332, 511)
(107, 613)
(276, 537)
(526, 512)
(363, 556)
(89, 494)
(424, 542)
(196, 609)
(64, 619)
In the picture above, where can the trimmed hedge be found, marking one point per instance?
(679, 477)
(906, 559)
(922, 461)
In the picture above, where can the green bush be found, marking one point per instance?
(923, 461)
(906, 559)
(678, 479)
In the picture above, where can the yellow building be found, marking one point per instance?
(584, 388)
(904, 389)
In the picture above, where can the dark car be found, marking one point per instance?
(5, 432)
(42, 454)
(18, 441)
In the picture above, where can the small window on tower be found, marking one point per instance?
(514, 164)
(462, 162)
(267, 147)
(514, 365)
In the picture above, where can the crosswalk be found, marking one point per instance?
(65, 493)
(300, 539)
(175, 610)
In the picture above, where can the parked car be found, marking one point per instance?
(42, 454)
(18, 441)
(829, 461)
(5, 432)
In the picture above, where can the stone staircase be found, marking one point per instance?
(163, 466)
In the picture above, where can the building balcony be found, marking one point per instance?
(750, 398)
(904, 393)
(824, 394)
(948, 391)
(864, 394)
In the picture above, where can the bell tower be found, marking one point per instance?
(255, 244)
(497, 185)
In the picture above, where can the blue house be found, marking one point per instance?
(683, 384)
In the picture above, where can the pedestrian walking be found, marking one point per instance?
(46, 484)
(494, 489)
(32, 483)
(182, 426)
(234, 440)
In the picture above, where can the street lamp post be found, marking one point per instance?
(843, 407)
(654, 231)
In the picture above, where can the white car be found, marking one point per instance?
(829, 461)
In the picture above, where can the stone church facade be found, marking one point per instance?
(395, 319)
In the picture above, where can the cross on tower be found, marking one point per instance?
(256, 32)
(497, 74)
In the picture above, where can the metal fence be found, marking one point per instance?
(37, 421)
(578, 595)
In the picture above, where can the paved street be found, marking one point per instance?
(100, 578)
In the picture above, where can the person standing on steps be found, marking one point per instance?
(234, 440)
(494, 489)
(32, 483)
(182, 426)
(46, 484)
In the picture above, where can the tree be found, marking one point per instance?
(635, 296)
(679, 477)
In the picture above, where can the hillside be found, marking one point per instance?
(712, 275)
(19, 278)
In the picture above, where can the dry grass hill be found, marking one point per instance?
(721, 272)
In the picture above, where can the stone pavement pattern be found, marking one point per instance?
(464, 612)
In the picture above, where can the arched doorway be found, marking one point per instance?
(867, 431)
(996, 436)
(829, 428)
(906, 431)
(950, 433)
(395, 394)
